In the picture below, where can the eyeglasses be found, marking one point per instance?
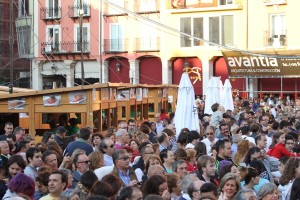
(290, 143)
(124, 158)
(111, 146)
(86, 162)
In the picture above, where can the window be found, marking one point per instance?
(23, 30)
(225, 2)
(53, 9)
(85, 7)
(185, 27)
(277, 30)
(85, 38)
(148, 37)
(23, 8)
(198, 30)
(53, 38)
(116, 37)
(221, 30)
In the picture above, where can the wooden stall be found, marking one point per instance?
(99, 106)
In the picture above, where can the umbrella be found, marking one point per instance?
(227, 100)
(186, 115)
(213, 93)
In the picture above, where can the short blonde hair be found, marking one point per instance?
(191, 153)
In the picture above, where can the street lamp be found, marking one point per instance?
(81, 12)
(118, 67)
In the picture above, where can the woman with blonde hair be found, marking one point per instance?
(191, 160)
(242, 150)
(229, 186)
(96, 159)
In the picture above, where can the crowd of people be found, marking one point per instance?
(251, 152)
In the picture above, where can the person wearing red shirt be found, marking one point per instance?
(191, 160)
(277, 148)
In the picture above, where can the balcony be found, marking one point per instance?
(110, 11)
(50, 13)
(65, 48)
(276, 38)
(147, 6)
(74, 11)
(115, 46)
(147, 44)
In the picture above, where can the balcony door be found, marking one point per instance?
(85, 39)
(116, 37)
(53, 38)
(278, 30)
(147, 5)
(148, 40)
(52, 7)
(84, 7)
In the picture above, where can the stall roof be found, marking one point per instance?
(21, 92)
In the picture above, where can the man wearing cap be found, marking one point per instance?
(60, 137)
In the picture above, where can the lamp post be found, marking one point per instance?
(11, 45)
(80, 41)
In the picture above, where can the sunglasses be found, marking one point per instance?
(86, 162)
(209, 133)
(111, 146)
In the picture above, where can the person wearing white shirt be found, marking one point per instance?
(159, 123)
(210, 139)
(107, 148)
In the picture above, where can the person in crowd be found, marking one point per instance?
(57, 184)
(191, 160)
(206, 169)
(210, 139)
(82, 164)
(295, 190)
(158, 185)
(251, 178)
(209, 190)
(277, 148)
(224, 151)
(268, 191)
(70, 177)
(243, 147)
(21, 186)
(115, 182)
(34, 160)
(236, 138)
(200, 148)
(290, 173)
(173, 181)
(181, 140)
(69, 194)
(96, 159)
(217, 116)
(50, 160)
(81, 143)
(163, 141)
(4, 150)
(130, 192)
(185, 182)
(15, 165)
(158, 122)
(180, 168)
(228, 167)
(102, 188)
(167, 158)
(19, 132)
(60, 137)
(229, 186)
(96, 140)
(289, 142)
(85, 184)
(122, 138)
(47, 136)
(135, 147)
(41, 180)
(8, 128)
(122, 168)
(194, 190)
(245, 194)
(224, 132)
(11, 140)
(131, 127)
(193, 138)
(72, 128)
(107, 148)
(145, 152)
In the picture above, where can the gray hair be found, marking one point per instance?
(266, 189)
(3, 142)
(176, 163)
(186, 181)
(241, 194)
(68, 194)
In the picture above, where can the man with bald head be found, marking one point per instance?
(155, 170)
(122, 138)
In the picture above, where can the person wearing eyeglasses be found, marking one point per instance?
(122, 168)
(82, 165)
(210, 139)
(107, 148)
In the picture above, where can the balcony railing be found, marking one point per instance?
(109, 10)
(50, 13)
(68, 47)
(147, 44)
(115, 45)
(74, 10)
(149, 6)
(276, 38)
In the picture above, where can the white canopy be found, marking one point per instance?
(227, 100)
(213, 93)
